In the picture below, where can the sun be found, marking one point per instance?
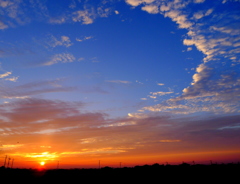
(42, 163)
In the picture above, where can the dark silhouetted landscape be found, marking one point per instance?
(227, 173)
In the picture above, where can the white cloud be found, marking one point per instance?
(119, 81)
(62, 41)
(209, 12)
(116, 12)
(198, 15)
(66, 41)
(60, 58)
(189, 48)
(16, 97)
(153, 9)
(178, 109)
(5, 74)
(138, 2)
(85, 16)
(164, 8)
(179, 18)
(160, 93)
(230, 127)
(203, 72)
(137, 115)
(152, 96)
(134, 2)
(79, 40)
(88, 37)
(199, 1)
(226, 29)
(84, 38)
(12, 79)
(160, 84)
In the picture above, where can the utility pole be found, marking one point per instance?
(5, 161)
(99, 164)
(120, 164)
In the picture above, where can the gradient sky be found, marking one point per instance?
(131, 81)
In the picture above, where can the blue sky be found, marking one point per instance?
(127, 65)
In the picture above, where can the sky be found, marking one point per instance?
(135, 82)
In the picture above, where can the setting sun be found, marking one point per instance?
(42, 163)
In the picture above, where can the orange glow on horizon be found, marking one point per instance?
(52, 160)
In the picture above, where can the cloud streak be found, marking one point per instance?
(33, 88)
(60, 58)
(5, 74)
(118, 81)
(31, 119)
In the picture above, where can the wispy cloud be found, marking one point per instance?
(160, 93)
(118, 81)
(84, 16)
(60, 58)
(138, 2)
(5, 74)
(16, 97)
(62, 41)
(85, 38)
(12, 79)
(34, 88)
(199, 1)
